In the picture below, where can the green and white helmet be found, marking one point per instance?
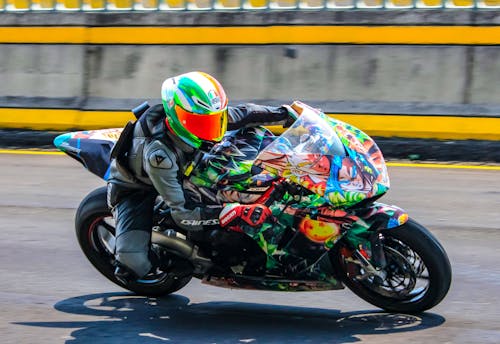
(196, 107)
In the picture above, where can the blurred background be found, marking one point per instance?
(408, 72)
(422, 76)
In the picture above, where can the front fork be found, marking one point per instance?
(364, 235)
(374, 264)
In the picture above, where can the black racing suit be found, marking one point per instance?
(156, 162)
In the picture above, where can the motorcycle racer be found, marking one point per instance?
(194, 115)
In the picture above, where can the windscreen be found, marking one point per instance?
(328, 157)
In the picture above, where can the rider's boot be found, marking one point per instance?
(126, 275)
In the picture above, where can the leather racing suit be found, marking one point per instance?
(156, 162)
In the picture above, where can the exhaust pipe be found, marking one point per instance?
(182, 248)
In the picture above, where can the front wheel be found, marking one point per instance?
(96, 234)
(417, 275)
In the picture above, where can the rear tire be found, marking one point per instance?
(414, 255)
(95, 233)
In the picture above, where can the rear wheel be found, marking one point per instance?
(96, 234)
(417, 275)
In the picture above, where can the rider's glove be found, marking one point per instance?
(235, 214)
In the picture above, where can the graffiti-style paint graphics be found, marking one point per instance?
(91, 147)
(276, 285)
(317, 230)
(111, 135)
(328, 157)
(338, 164)
(331, 166)
(226, 174)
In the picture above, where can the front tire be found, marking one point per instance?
(418, 271)
(95, 233)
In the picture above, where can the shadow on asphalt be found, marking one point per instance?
(126, 317)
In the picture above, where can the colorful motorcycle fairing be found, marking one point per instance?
(92, 148)
(342, 166)
(326, 225)
(337, 165)
(246, 282)
(316, 228)
(227, 173)
(328, 157)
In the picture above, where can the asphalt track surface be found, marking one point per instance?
(49, 293)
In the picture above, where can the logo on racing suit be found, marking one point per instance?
(211, 222)
(226, 218)
(258, 189)
(160, 159)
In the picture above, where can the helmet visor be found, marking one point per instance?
(209, 127)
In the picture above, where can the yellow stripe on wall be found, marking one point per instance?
(38, 119)
(61, 119)
(303, 34)
(425, 127)
(438, 127)
(55, 34)
(441, 127)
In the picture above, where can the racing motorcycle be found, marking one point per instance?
(321, 179)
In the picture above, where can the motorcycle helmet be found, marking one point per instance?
(196, 108)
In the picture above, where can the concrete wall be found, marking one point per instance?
(422, 79)
(318, 73)
(42, 70)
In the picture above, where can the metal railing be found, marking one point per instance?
(235, 5)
